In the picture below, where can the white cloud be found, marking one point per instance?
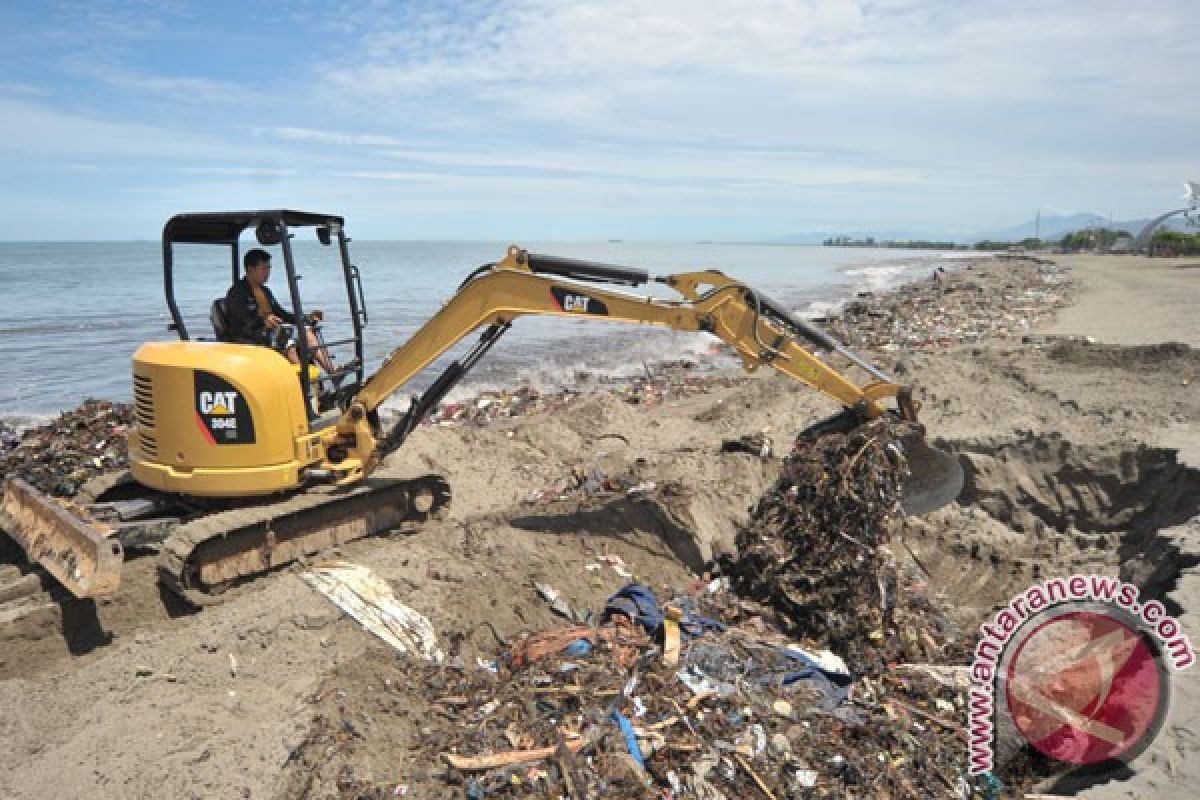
(599, 65)
(560, 43)
(773, 112)
(45, 135)
(22, 89)
(685, 165)
(253, 172)
(1012, 98)
(47, 132)
(343, 138)
(180, 88)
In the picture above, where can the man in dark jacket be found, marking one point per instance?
(254, 315)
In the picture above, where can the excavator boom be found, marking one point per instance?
(760, 330)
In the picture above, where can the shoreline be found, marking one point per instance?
(653, 379)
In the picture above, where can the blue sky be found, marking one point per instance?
(552, 119)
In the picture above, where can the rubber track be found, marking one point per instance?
(183, 543)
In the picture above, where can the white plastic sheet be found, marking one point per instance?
(369, 600)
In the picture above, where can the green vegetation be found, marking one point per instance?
(1174, 243)
(1101, 239)
(870, 241)
(1025, 244)
(1092, 240)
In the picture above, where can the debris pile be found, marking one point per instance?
(814, 547)
(662, 383)
(955, 307)
(654, 701)
(592, 481)
(813, 668)
(60, 456)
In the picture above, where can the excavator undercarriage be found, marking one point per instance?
(203, 548)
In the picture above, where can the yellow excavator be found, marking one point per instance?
(241, 461)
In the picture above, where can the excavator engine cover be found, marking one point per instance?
(217, 420)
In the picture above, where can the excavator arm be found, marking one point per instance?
(760, 330)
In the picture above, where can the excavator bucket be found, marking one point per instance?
(61, 538)
(935, 477)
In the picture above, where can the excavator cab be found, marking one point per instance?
(217, 418)
(278, 232)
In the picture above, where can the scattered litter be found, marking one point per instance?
(58, 457)
(805, 778)
(557, 603)
(958, 310)
(664, 381)
(368, 599)
(579, 647)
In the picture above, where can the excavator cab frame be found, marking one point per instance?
(275, 227)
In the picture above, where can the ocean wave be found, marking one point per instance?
(23, 421)
(879, 277)
(819, 309)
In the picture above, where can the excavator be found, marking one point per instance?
(241, 461)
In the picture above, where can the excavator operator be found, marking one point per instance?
(255, 316)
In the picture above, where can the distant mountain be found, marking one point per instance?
(1056, 227)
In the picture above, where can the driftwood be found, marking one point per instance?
(493, 760)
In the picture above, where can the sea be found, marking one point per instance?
(75, 312)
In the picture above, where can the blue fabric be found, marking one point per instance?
(639, 604)
(579, 648)
(630, 738)
(695, 625)
(835, 686)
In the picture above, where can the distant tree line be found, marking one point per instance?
(1090, 239)
(1029, 243)
(1174, 243)
(870, 241)
(1163, 243)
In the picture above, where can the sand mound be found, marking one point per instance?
(1036, 483)
(1167, 355)
(1035, 507)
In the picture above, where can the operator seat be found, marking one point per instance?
(219, 319)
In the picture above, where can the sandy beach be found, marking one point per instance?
(1057, 384)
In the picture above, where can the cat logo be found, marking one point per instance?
(576, 303)
(220, 404)
(222, 414)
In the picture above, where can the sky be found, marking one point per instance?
(555, 119)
